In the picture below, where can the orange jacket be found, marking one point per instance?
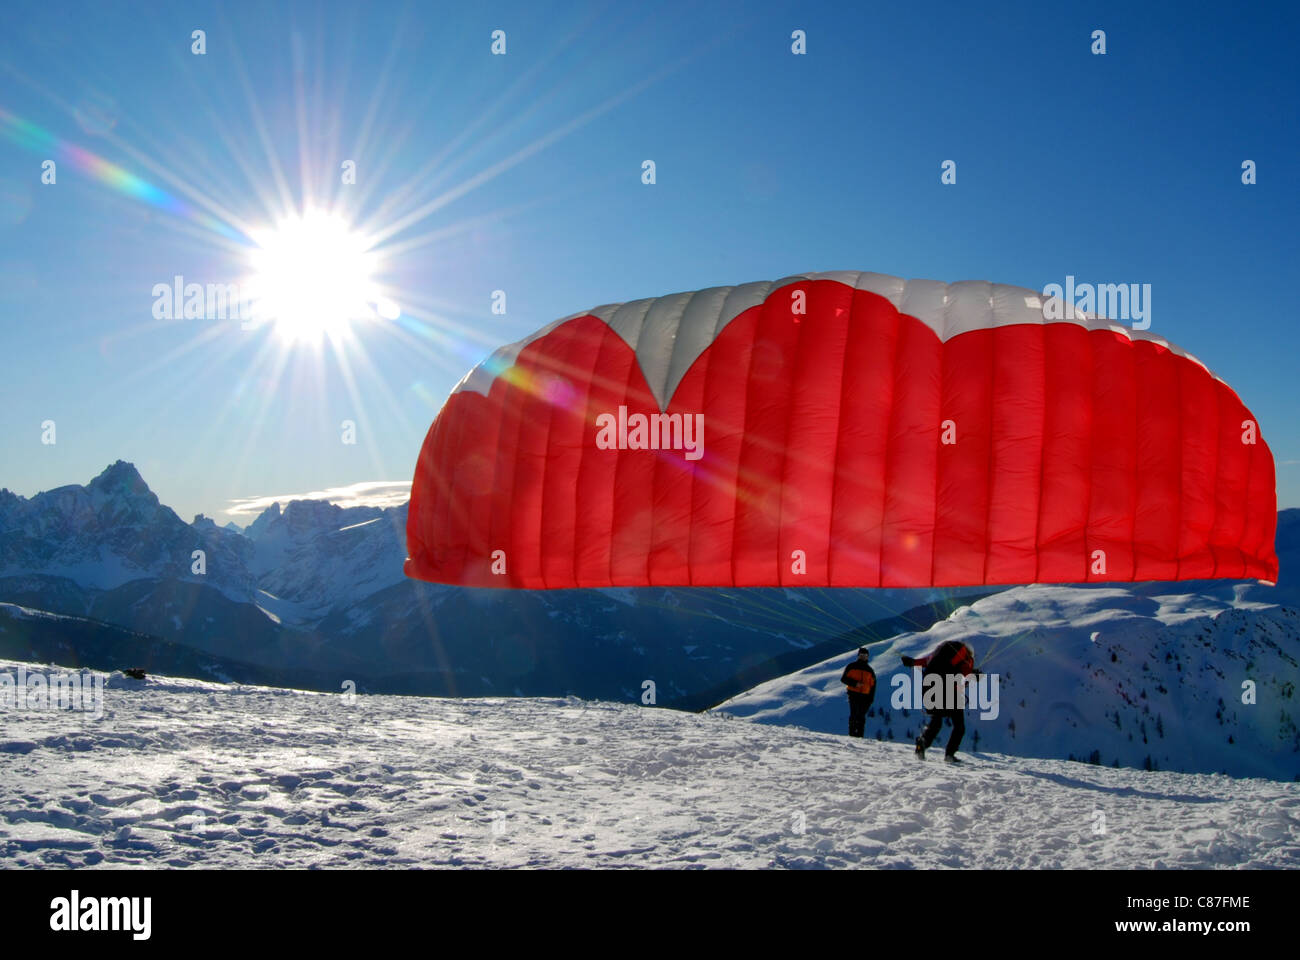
(859, 677)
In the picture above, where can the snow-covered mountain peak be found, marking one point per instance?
(264, 519)
(111, 531)
(121, 476)
(303, 516)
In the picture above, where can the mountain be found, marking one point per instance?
(1144, 675)
(112, 531)
(181, 772)
(81, 643)
(254, 529)
(312, 590)
(696, 646)
(315, 557)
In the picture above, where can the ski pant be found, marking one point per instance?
(858, 704)
(958, 718)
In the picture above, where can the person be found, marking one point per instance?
(950, 658)
(861, 681)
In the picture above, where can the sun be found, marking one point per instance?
(313, 276)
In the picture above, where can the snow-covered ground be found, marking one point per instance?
(183, 772)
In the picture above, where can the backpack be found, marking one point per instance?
(953, 656)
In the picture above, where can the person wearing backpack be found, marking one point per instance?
(950, 658)
(861, 681)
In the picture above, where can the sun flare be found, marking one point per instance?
(313, 276)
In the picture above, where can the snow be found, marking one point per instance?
(1137, 673)
(27, 613)
(625, 595)
(363, 523)
(181, 772)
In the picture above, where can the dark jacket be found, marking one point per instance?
(950, 657)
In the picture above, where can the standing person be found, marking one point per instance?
(861, 681)
(950, 658)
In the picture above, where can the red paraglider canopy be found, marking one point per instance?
(841, 429)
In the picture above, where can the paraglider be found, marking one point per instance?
(841, 429)
(945, 670)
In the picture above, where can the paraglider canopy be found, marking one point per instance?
(841, 429)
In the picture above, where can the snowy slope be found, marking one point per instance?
(185, 772)
(1141, 674)
(36, 635)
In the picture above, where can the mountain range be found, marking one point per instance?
(313, 594)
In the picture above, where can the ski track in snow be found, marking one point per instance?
(184, 773)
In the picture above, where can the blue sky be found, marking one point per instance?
(1117, 168)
